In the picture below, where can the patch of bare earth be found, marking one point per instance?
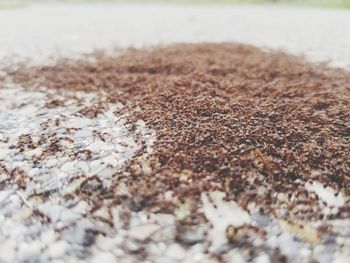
(264, 133)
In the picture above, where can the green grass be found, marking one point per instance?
(320, 3)
(11, 4)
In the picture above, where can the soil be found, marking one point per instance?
(256, 125)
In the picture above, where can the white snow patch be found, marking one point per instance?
(52, 143)
(326, 194)
(24, 113)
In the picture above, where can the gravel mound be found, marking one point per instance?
(251, 160)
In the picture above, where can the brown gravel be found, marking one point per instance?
(227, 117)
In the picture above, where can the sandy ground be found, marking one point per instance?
(42, 31)
(53, 143)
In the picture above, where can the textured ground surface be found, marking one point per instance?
(210, 152)
(188, 153)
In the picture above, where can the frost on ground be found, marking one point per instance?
(54, 138)
(297, 241)
(53, 145)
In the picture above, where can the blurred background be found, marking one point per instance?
(41, 29)
(319, 3)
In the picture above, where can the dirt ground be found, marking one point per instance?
(262, 133)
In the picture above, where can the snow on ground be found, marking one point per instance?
(42, 31)
(42, 122)
(53, 119)
(48, 145)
